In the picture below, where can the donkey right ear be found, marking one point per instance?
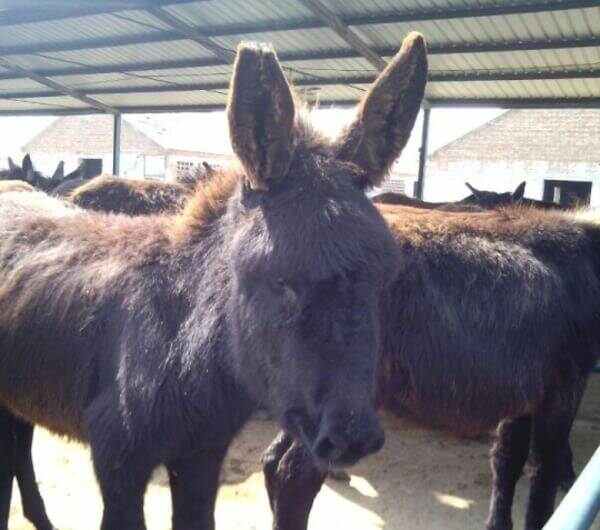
(11, 165)
(59, 172)
(27, 164)
(261, 116)
(387, 114)
(517, 195)
(472, 189)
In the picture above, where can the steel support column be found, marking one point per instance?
(116, 143)
(423, 151)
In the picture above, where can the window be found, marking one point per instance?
(568, 192)
(184, 167)
(154, 167)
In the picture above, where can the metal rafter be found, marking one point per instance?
(289, 25)
(30, 11)
(192, 33)
(433, 49)
(58, 88)
(527, 103)
(363, 79)
(346, 33)
(316, 55)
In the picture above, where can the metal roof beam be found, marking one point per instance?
(288, 25)
(58, 88)
(388, 51)
(192, 34)
(346, 33)
(30, 11)
(529, 103)
(365, 79)
(516, 103)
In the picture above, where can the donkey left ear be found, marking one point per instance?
(387, 113)
(518, 194)
(261, 116)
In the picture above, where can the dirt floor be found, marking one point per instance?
(422, 480)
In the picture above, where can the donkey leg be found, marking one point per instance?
(7, 471)
(293, 482)
(33, 504)
(194, 483)
(551, 428)
(123, 496)
(508, 457)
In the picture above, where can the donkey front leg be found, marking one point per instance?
(293, 482)
(194, 483)
(508, 457)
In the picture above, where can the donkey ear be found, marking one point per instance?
(519, 192)
(472, 189)
(387, 114)
(261, 116)
(11, 165)
(27, 165)
(59, 172)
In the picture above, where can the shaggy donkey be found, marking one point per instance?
(493, 320)
(133, 197)
(152, 338)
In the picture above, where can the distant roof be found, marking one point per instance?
(160, 55)
(550, 135)
(90, 134)
(150, 135)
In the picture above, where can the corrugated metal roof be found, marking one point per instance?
(481, 51)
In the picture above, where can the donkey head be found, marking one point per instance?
(25, 172)
(491, 199)
(310, 255)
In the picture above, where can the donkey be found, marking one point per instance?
(26, 172)
(57, 184)
(133, 197)
(479, 200)
(160, 334)
(493, 320)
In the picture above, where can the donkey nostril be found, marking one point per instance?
(326, 449)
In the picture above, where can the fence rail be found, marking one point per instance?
(580, 506)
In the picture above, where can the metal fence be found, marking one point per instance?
(580, 506)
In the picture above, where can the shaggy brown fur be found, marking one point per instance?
(493, 320)
(134, 197)
(153, 338)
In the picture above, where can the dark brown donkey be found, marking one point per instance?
(133, 197)
(153, 338)
(494, 320)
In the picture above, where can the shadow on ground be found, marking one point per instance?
(422, 480)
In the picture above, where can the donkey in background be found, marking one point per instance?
(58, 184)
(159, 334)
(508, 340)
(479, 200)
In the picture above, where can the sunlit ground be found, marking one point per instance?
(422, 480)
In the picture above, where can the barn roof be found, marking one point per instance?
(164, 55)
(550, 135)
(90, 134)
